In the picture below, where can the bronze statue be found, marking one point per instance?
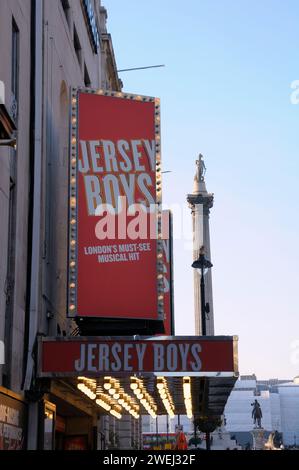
(200, 169)
(257, 414)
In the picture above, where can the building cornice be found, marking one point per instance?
(111, 62)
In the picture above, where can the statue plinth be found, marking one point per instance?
(258, 438)
(199, 187)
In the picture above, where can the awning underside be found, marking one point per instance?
(208, 394)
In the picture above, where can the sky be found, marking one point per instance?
(225, 92)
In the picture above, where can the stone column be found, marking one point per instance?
(33, 418)
(103, 429)
(124, 432)
(112, 433)
(137, 432)
(200, 205)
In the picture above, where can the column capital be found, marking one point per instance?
(207, 200)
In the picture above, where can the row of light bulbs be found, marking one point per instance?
(165, 396)
(72, 228)
(87, 386)
(90, 389)
(119, 94)
(112, 385)
(105, 402)
(114, 389)
(187, 396)
(143, 396)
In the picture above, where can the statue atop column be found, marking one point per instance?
(200, 169)
(199, 185)
(257, 414)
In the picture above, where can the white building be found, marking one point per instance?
(289, 411)
(164, 424)
(279, 401)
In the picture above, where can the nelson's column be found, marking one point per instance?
(200, 202)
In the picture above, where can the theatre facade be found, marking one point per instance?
(125, 378)
(122, 361)
(87, 311)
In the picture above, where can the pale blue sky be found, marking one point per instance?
(225, 92)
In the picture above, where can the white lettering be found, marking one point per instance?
(128, 183)
(83, 165)
(115, 350)
(94, 155)
(93, 190)
(109, 155)
(122, 146)
(103, 357)
(158, 357)
(137, 155)
(137, 227)
(196, 364)
(80, 363)
(172, 357)
(91, 357)
(184, 349)
(111, 188)
(127, 357)
(105, 228)
(140, 349)
(151, 152)
(143, 179)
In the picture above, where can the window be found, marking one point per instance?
(66, 8)
(14, 68)
(86, 77)
(77, 46)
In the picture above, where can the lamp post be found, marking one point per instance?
(167, 428)
(202, 265)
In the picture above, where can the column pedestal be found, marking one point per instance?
(258, 438)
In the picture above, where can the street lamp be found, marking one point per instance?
(202, 265)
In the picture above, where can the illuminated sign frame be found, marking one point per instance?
(72, 290)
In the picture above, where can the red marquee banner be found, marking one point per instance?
(94, 356)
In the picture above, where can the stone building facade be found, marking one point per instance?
(46, 46)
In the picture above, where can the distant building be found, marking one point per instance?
(279, 400)
(165, 424)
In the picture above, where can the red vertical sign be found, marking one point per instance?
(168, 275)
(115, 252)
